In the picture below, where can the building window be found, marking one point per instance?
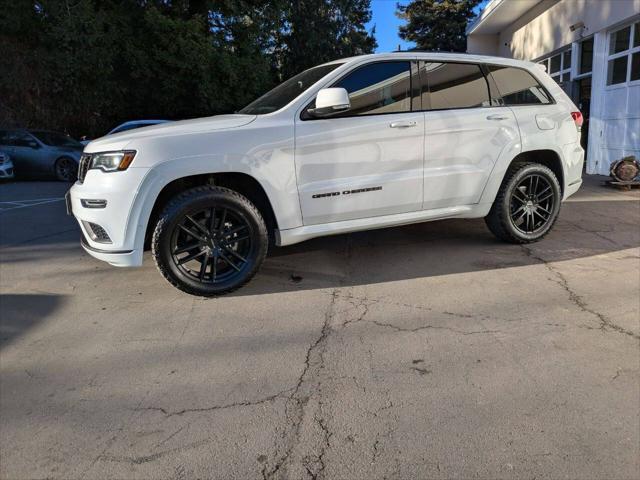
(559, 66)
(586, 56)
(623, 63)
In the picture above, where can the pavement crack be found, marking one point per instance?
(298, 399)
(577, 300)
(168, 413)
(139, 460)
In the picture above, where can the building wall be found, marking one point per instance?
(545, 28)
(614, 129)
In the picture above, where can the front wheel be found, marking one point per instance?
(66, 169)
(209, 241)
(527, 204)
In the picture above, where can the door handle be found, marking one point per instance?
(405, 124)
(497, 116)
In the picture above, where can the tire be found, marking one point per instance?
(66, 169)
(213, 226)
(527, 204)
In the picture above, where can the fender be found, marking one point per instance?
(502, 165)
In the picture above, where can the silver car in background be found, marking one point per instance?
(6, 167)
(41, 153)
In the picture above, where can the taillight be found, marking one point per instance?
(577, 119)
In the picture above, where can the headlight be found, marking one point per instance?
(112, 161)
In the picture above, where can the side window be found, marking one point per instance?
(454, 85)
(20, 139)
(378, 88)
(517, 86)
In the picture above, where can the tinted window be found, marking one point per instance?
(16, 139)
(586, 56)
(285, 92)
(455, 85)
(56, 139)
(378, 88)
(517, 86)
(617, 70)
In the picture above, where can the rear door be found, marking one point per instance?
(367, 161)
(466, 132)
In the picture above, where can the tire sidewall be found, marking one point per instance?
(173, 216)
(510, 187)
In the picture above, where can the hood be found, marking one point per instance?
(119, 141)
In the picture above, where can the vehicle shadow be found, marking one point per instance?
(22, 312)
(584, 229)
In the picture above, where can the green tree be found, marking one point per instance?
(318, 31)
(437, 24)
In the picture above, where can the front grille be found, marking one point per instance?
(83, 167)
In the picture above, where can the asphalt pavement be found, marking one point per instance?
(426, 351)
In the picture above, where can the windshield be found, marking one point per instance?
(54, 139)
(285, 92)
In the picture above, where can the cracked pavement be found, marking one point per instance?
(426, 351)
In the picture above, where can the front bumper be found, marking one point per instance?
(122, 258)
(121, 217)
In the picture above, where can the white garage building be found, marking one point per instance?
(591, 48)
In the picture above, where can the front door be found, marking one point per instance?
(367, 161)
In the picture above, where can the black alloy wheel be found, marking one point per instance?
(527, 204)
(532, 202)
(66, 169)
(209, 241)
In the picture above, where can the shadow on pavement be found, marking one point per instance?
(22, 312)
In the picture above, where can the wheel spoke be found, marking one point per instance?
(222, 220)
(540, 200)
(214, 269)
(235, 230)
(235, 254)
(229, 262)
(188, 258)
(203, 267)
(544, 210)
(212, 220)
(517, 196)
(197, 224)
(185, 248)
(517, 220)
(544, 219)
(192, 233)
(235, 240)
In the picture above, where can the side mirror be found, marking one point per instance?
(330, 100)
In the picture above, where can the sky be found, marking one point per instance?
(386, 23)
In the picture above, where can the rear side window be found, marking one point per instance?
(454, 85)
(378, 88)
(517, 86)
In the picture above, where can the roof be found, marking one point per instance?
(442, 56)
(499, 14)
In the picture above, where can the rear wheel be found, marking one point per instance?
(66, 169)
(209, 241)
(527, 204)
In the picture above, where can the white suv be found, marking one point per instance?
(359, 143)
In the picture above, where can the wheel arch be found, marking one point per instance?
(549, 157)
(243, 183)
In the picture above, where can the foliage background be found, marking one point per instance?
(84, 66)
